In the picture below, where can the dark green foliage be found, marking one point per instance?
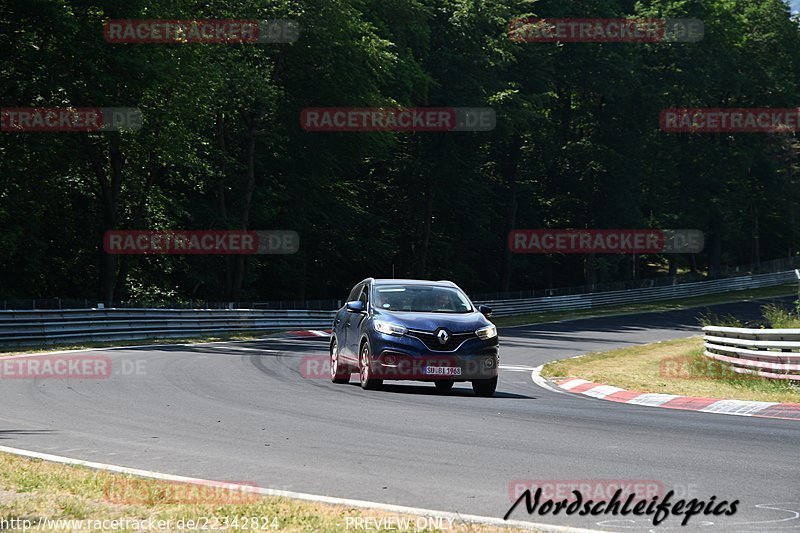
(577, 145)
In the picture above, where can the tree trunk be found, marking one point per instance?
(154, 173)
(426, 233)
(794, 245)
(756, 247)
(511, 171)
(247, 200)
(715, 258)
(590, 271)
(109, 187)
(227, 292)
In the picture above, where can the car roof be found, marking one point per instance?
(442, 283)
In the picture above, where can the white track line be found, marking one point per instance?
(516, 368)
(456, 517)
(536, 376)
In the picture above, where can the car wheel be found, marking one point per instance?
(484, 387)
(339, 372)
(365, 369)
(444, 385)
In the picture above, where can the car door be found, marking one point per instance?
(342, 322)
(354, 322)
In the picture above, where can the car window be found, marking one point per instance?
(364, 297)
(421, 299)
(355, 292)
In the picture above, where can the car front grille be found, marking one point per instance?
(429, 339)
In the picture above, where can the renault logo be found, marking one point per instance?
(443, 336)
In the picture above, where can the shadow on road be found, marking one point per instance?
(428, 389)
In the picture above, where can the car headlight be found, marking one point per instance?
(389, 328)
(489, 332)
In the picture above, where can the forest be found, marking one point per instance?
(577, 143)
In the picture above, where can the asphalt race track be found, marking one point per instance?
(246, 412)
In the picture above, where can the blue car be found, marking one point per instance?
(392, 329)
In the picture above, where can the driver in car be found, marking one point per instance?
(442, 302)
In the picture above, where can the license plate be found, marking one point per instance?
(443, 370)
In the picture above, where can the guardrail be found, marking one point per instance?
(602, 299)
(21, 328)
(769, 353)
(24, 328)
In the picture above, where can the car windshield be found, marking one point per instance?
(421, 299)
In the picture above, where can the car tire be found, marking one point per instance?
(365, 369)
(484, 387)
(339, 372)
(444, 385)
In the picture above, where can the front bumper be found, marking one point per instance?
(407, 358)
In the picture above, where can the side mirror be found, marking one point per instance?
(356, 306)
(485, 310)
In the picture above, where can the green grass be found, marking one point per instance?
(780, 316)
(34, 489)
(665, 305)
(672, 367)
